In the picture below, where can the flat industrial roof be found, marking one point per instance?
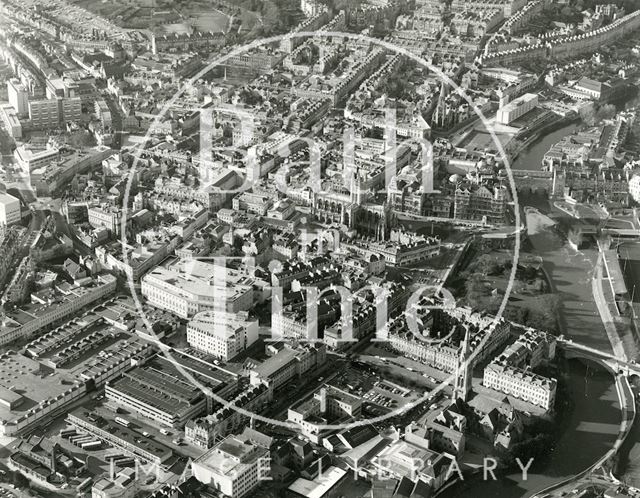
(127, 434)
(318, 487)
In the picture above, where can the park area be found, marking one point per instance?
(484, 280)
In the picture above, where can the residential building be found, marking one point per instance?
(186, 42)
(103, 113)
(522, 384)
(227, 418)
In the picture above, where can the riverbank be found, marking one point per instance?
(529, 155)
(582, 440)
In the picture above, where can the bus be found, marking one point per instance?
(122, 421)
(91, 445)
(66, 433)
(77, 440)
(124, 462)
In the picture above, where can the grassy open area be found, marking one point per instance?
(483, 282)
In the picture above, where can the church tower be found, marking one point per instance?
(464, 370)
(440, 113)
(357, 194)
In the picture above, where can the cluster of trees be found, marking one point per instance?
(536, 447)
(82, 138)
(275, 16)
(541, 313)
(251, 97)
(16, 478)
(397, 87)
(592, 116)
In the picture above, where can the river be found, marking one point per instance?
(630, 261)
(531, 157)
(591, 427)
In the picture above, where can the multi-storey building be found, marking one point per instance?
(186, 42)
(158, 395)
(634, 187)
(296, 270)
(106, 216)
(401, 250)
(508, 7)
(234, 467)
(287, 364)
(30, 159)
(9, 210)
(123, 438)
(122, 485)
(190, 287)
(510, 371)
(531, 349)
(102, 112)
(478, 202)
(253, 203)
(11, 121)
(44, 113)
(522, 384)
(70, 109)
(567, 46)
(221, 334)
(517, 108)
(216, 187)
(293, 321)
(18, 97)
(35, 317)
(227, 418)
(475, 23)
(329, 405)
(258, 60)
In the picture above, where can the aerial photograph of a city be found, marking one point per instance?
(320, 248)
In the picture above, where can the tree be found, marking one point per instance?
(475, 289)
(537, 448)
(588, 115)
(630, 6)
(487, 265)
(607, 111)
(20, 481)
(566, 12)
